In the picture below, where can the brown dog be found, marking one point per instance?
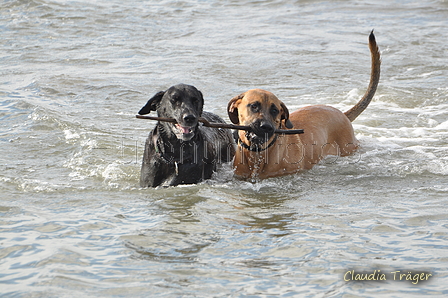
(327, 131)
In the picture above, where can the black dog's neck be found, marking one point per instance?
(170, 148)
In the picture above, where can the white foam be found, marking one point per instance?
(443, 125)
(69, 135)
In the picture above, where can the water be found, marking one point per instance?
(75, 223)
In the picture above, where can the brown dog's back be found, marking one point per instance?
(328, 131)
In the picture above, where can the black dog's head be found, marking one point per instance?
(183, 103)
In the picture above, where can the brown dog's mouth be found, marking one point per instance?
(257, 139)
(261, 132)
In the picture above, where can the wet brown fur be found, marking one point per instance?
(328, 131)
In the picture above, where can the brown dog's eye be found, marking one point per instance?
(274, 111)
(254, 107)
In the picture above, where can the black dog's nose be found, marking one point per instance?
(266, 127)
(189, 119)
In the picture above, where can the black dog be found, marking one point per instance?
(184, 152)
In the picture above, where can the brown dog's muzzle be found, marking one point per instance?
(262, 131)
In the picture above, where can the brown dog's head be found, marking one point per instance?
(262, 111)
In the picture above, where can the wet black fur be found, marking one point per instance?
(170, 161)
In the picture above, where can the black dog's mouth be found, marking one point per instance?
(184, 133)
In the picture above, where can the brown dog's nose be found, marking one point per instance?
(266, 127)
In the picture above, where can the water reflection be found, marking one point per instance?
(196, 220)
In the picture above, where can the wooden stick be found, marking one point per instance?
(221, 125)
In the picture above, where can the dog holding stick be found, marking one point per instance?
(183, 151)
(327, 131)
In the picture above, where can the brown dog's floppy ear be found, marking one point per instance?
(285, 115)
(152, 103)
(232, 108)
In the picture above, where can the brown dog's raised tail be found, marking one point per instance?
(374, 79)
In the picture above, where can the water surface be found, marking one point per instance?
(75, 223)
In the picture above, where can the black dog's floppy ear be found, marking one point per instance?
(232, 108)
(285, 115)
(202, 101)
(152, 103)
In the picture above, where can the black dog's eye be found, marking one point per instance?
(254, 107)
(274, 111)
(195, 101)
(175, 97)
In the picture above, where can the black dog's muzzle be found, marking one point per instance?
(185, 128)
